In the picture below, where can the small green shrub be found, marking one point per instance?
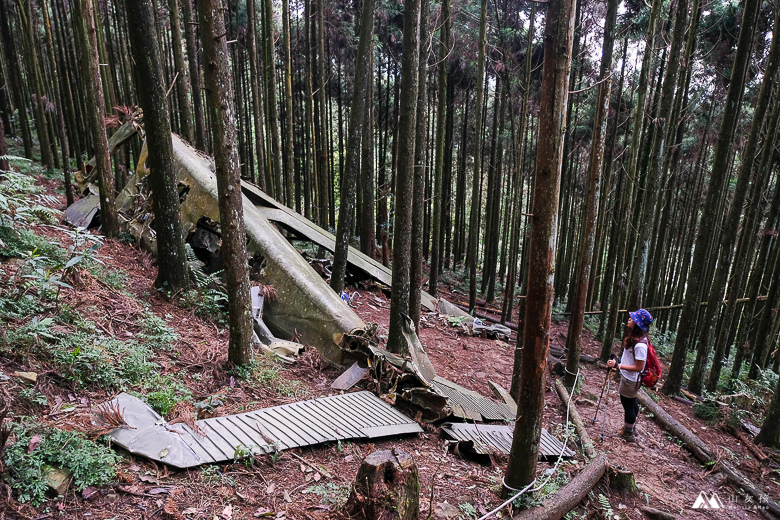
(708, 411)
(89, 463)
(164, 392)
(156, 333)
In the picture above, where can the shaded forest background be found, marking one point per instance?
(669, 194)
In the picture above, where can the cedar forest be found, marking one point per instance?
(548, 165)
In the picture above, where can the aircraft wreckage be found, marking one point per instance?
(306, 309)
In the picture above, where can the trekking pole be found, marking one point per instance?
(605, 385)
(604, 421)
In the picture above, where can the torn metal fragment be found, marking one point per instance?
(473, 405)
(81, 212)
(485, 438)
(359, 415)
(349, 378)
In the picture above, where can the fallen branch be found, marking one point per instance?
(587, 442)
(703, 453)
(567, 497)
(755, 450)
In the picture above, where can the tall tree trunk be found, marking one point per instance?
(715, 192)
(558, 36)
(183, 81)
(514, 248)
(356, 114)
(665, 106)
(96, 109)
(60, 105)
(275, 162)
(288, 95)
(192, 55)
(577, 319)
(441, 129)
(402, 228)
(172, 260)
(418, 204)
(322, 140)
(476, 204)
(35, 83)
(15, 78)
(219, 84)
(257, 102)
(729, 231)
(367, 217)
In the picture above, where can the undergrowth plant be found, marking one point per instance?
(88, 463)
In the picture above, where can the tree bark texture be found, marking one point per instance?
(228, 173)
(402, 229)
(356, 115)
(171, 258)
(476, 202)
(438, 174)
(387, 487)
(96, 110)
(558, 37)
(191, 38)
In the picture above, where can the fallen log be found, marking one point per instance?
(567, 497)
(587, 442)
(704, 454)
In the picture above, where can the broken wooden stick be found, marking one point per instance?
(567, 497)
(755, 450)
(704, 454)
(587, 442)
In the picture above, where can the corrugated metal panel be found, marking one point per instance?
(359, 415)
(499, 438)
(472, 401)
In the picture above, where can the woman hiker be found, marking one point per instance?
(631, 364)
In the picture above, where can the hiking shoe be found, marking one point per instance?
(628, 435)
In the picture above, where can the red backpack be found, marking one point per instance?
(650, 375)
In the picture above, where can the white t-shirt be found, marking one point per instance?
(630, 357)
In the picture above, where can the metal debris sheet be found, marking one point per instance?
(471, 405)
(358, 415)
(499, 438)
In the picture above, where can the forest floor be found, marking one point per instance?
(119, 297)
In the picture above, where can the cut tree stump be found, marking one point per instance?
(704, 454)
(567, 497)
(387, 487)
(622, 480)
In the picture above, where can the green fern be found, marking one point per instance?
(606, 506)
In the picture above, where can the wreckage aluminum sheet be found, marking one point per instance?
(500, 438)
(358, 415)
(471, 401)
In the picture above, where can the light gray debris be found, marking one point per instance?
(486, 438)
(359, 415)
